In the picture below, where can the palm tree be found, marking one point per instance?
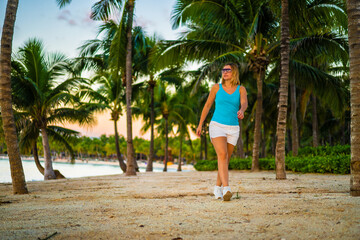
(170, 108)
(29, 133)
(186, 115)
(102, 11)
(222, 31)
(353, 8)
(37, 96)
(110, 96)
(321, 18)
(130, 157)
(144, 66)
(103, 55)
(283, 91)
(17, 172)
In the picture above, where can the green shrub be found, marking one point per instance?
(240, 164)
(319, 164)
(339, 164)
(325, 150)
(206, 165)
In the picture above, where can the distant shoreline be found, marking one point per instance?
(141, 163)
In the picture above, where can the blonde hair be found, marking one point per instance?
(234, 74)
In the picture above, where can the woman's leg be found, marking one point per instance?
(230, 149)
(220, 145)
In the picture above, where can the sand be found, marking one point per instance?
(179, 205)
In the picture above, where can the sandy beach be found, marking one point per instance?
(179, 205)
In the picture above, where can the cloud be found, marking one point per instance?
(86, 20)
(144, 23)
(72, 22)
(83, 19)
(66, 16)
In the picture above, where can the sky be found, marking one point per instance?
(64, 30)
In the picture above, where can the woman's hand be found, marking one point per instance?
(240, 114)
(198, 130)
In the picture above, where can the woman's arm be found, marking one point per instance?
(243, 101)
(207, 106)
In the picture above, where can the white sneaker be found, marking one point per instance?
(227, 194)
(218, 192)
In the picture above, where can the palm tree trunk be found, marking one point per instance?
(130, 170)
(315, 128)
(36, 159)
(17, 171)
(273, 142)
(294, 123)
(257, 132)
(289, 141)
(240, 145)
(118, 154)
(180, 153)
(149, 167)
(353, 7)
(283, 92)
(135, 160)
(49, 171)
(166, 145)
(41, 169)
(263, 144)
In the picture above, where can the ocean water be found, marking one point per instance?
(68, 170)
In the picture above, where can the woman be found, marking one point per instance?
(224, 126)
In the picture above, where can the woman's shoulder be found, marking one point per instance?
(215, 87)
(242, 88)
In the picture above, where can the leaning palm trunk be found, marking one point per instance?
(294, 123)
(149, 167)
(353, 7)
(36, 159)
(118, 154)
(257, 132)
(17, 171)
(41, 168)
(315, 128)
(130, 170)
(166, 144)
(283, 92)
(49, 171)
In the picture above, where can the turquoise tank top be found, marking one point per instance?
(226, 107)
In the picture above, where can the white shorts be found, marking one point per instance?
(221, 130)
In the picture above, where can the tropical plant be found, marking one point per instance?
(8, 122)
(109, 96)
(283, 91)
(39, 97)
(102, 10)
(170, 108)
(353, 8)
(104, 56)
(222, 31)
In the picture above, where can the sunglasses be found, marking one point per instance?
(226, 70)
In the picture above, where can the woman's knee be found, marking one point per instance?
(222, 156)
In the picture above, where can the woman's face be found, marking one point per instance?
(226, 72)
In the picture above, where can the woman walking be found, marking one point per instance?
(224, 126)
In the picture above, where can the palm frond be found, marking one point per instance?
(103, 9)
